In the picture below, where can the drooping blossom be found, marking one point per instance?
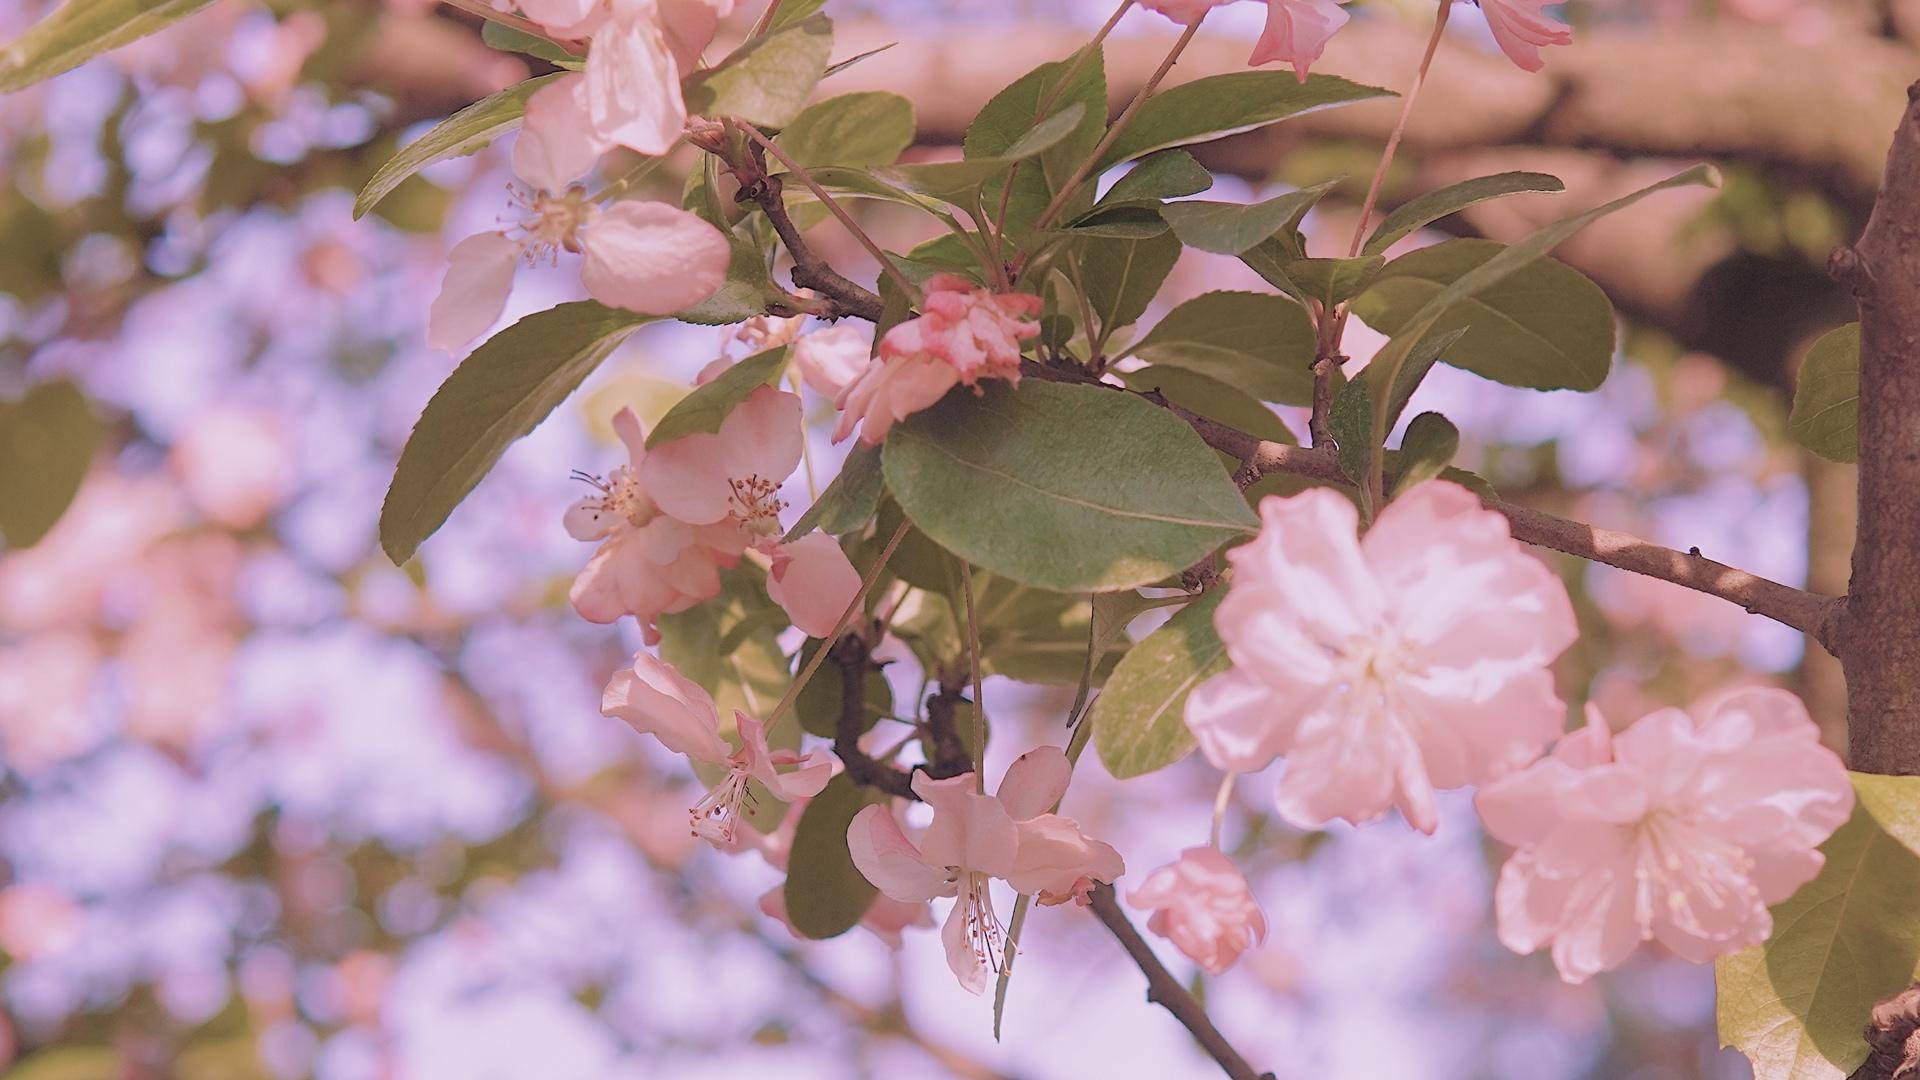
(813, 581)
(965, 334)
(830, 360)
(1297, 32)
(657, 700)
(885, 917)
(1202, 903)
(974, 839)
(1386, 667)
(649, 563)
(1680, 830)
(1521, 29)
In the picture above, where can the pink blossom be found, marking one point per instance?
(659, 701)
(830, 360)
(48, 712)
(975, 838)
(813, 581)
(648, 563)
(1183, 11)
(1521, 29)
(235, 464)
(885, 917)
(1297, 32)
(1680, 830)
(1386, 667)
(38, 921)
(732, 477)
(965, 334)
(1202, 903)
(642, 256)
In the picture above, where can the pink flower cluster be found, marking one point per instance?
(1297, 31)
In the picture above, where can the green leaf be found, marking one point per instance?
(465, 132)
(825, 893)
(747, 291)
(1226, 228)
(1452, 199)
(1270, 258)
(850, 501)
(867, 128)
(1139, 720)
(1350, 420)
(1425, 450)
(1256, 342)
(1170, 174)
(507, 39)
(1826, 401)
(839, 66)
(1542, 324)
(1334, 281)
(768, 80)
(1011, 112)
(1211, 398)
(1796, 1004)
(730, 646)
(704, 410)
(955, 181)
(497, 394)
(819, 703)
(1226, 104)
(794, 12)
(1413, 372)
(80, 30)
(1121, 277)
(1126, 222)
(47, 442)
(1072, 488)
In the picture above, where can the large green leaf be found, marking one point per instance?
(1139, 720)
(1225, 104)
(825, 893)
(1542, 325)
(706, 408)
(867, 128)
(1796, 1005)
(47, 441)
(1826, 400)
(1227, 228)
(1010, 113)
(1452, 199)
(496, 395)
(1170, 174)
(463, 133)
(1256, 342)
(1211, 398)
(1072, 488)
(80, 30)
(768, 80)
(1121, 277)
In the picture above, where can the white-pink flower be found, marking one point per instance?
(1386, 667)
(657, 700)
(965, 333)
(1183, 11)
(975, 838)
(1202, 903)
(648, 564)
(1297, 32)
(1678, 830)
(1521, 29)
(732, 476)
(885, 917)
(830, 360)
(813, 581)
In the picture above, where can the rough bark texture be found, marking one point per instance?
(1894, 1033)
(1880, 632)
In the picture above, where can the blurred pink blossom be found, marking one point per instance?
(1202, 903)
(37, 921)
(46, 700)
(235, 464)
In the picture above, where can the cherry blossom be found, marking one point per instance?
(1386, 667)
(732, 476)
(1681, 830)
(236, 464)
(830, 360)
(1202, 903)
(1521, 29)
(966, 333)
(975, 838)
(1297, 32)
(885, 917)
(657, 700)
(648, 563)
(813, 581)
(1183, 11)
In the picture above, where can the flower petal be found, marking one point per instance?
(885, 857)
(1034, 782)
(652, 258)
(813, 581)
(474, 292)
(659, 701)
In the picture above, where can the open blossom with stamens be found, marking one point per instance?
(1383, 667)
(732, 476)
(648, 563)
(965, 333)
(659, 701)
(1521, 29)
(1680, 830)
(974, 839)
(1201, 902)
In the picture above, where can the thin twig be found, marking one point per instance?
(973, 664)
(793, 167)
(1165, 991)
(1399, 130)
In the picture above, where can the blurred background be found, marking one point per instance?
(272, 807)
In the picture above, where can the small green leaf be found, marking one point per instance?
(1270, 258)
(1452, 199)
(1413, 372)
(1425, 451)
(1826, 400)
(1121, 277)
(1071, 488)
(1139, 720)
(1132, 222)
(1221, 105)
(1170, 174)
(956, 180)
(747, 291)
(794, 12)
(1256, 342)
(1334, 281)
(47, 443)
(730, 646)
(79, 30)
(850, 501)
(507, 39)
(704, 410)
(825, 893)
(1226, 228)
(465, 132)
(867, 128)
(1796, 1004)
(768, 80)
(497, 394)
(1010, 113)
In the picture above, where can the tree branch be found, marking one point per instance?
(1165, 991)
(810, 270)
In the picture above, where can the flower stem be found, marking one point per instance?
(839, 626)
(1220, 806)
(886, 265)
(1399, 130)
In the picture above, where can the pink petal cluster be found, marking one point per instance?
(1297, 31)
(1387, 667)
(1522, 29)
(1202, 903)
(657, 700)
(975, 838)
(885, 917)
(1680, 830)
(965, 333)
